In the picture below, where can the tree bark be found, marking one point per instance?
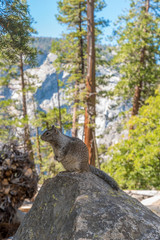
(59, 107)
(138, 88)
(77, 83)
(147, 5)
(90, 111)
(82, 64)
(27, 141)
(37, 136)
(75, 108)
(136, 99)
(38, 148)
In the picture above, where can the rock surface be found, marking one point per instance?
(81, 206)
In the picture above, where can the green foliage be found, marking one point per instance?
(16, 31)
(48, 167)
(15, 52)
(43, 44)
(42, 120)
(138, 53)
(7, 120)
(135, 162)
(13, 14)
(46, 120)
(71, 50)
(16, 42)
(101, 151)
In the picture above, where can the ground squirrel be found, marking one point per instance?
(73, 154)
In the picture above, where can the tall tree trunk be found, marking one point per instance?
(138, 88)
(90, 111)
(59, 107)
(37, 136)
(38, 147)
(136, 99)
(75, 108)
(82, 64)
(77, 83)
(27, 141)
(147, 5)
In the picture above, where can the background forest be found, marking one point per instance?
(108, 95)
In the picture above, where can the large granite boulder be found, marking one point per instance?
(81, 206)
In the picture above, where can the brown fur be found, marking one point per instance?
(73, 154)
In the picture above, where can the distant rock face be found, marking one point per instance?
(46, 95)
(81, 206)
(45, 79)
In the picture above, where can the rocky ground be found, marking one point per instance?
(83, 206)
(149, 198)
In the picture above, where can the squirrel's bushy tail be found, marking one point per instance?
(104, 176)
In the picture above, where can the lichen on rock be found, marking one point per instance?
(74, 206)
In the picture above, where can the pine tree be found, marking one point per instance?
(135, 162)
(59, 107)
(10, 14)
(71, 56)
(138, 52)
(90, 111)
(71, 53)
(17, 49)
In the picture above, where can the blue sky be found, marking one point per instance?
(43, 12)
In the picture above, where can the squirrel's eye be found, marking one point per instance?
(47, 133)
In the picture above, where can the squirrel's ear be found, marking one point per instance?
(55, 129)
